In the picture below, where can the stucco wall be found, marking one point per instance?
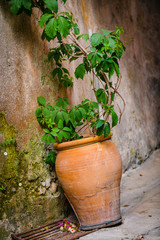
(29, 193)
(138, 133)
(25, 74)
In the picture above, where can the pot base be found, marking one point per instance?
(106, 224)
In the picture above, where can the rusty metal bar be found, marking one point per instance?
(50, 231)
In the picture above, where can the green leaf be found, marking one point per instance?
(60, 136)
(66, 117)
(15, 5)
(86, 64)
(96, 39)
(116, 67)
(93, 124)
(114, 119)
(41, 100)
(105, 66)
(66, 48)
(107, 130)
(70, 16)
(57, 71)
(93, 49)
(51, 158)
(48, 139)
(99, 91)
(72, 114)
(101, 97)
(66, 135)
(100, 53)
(60, 124)
(38, 112)
(64, 1)
(73, 58)
(27, 4)
(62, 102)
(112, 42)
(76, 29)
(83, 112)
(80, 71)
(43, 36)
(85, 37)
(111, 70)
(67, 80)
(50, 55)
(55, 130)
(119, 52)
(63, 26)
(59, 116)
(53, 133)
(44, 18)
(100, 130)
(119, 30)
(78, 115)
(67, 129)
(95, 104)
(80, 36)
(53, 115)
(46, 113)
(94, 58)
(112, 96)
(65, 70)
(85, 101)
(52, 5)
(80, 123)
(105, 32)
(100, 123)
(46, 130)
(98, 58)
(49, 107)
(51, 28)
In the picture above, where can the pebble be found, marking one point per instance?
(43, 184)
(48, 180)
(42, 191)
(53, 187)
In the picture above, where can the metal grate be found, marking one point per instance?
(49, 231)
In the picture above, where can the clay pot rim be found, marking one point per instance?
(83, 141)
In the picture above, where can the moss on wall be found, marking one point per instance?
(29, 193)
(9, 160)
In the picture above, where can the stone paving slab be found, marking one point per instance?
(140, 204)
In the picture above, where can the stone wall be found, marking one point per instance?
(29, 191)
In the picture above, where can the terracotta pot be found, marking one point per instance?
(89, 171)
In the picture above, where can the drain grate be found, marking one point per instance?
(49, 231)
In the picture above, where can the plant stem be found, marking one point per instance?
(78, 44)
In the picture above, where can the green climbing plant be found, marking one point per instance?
(101, 59)
(9, 142)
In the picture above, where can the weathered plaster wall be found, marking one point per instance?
(138, 133)
(30, 194)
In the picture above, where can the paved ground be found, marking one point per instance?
(140, 204)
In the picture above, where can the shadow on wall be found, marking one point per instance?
(26, 72)
(21, 27)
(139, 129)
